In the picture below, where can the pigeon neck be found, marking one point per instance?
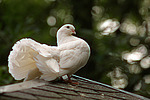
(64, 38)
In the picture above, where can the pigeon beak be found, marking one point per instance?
(73, 32)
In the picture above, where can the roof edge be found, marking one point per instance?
(108, 86)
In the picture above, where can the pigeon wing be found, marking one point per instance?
(73, 56)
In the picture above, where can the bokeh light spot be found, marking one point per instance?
(147, 79)
(135, 55)
(53, 31)
(128, 27)
(145, 63)
(108, 26)
(134, 69)
(118, 78)
(51, 20)
(134, 41)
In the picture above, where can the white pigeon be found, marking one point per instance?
(29, 59)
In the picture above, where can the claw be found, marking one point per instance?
(69, 80)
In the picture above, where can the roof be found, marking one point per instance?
(42, 90)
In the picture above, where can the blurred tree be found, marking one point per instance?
(117, 31)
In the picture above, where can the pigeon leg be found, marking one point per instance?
(70, 81)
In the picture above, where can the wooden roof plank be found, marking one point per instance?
(87, 89)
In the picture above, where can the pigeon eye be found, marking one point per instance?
(68, 26)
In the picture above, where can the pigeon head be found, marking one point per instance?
(67, 29)
(65, 34)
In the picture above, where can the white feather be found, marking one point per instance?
(21, 60)
(74, 55)
(30, 59)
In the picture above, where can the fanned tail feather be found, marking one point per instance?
(30, 59)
